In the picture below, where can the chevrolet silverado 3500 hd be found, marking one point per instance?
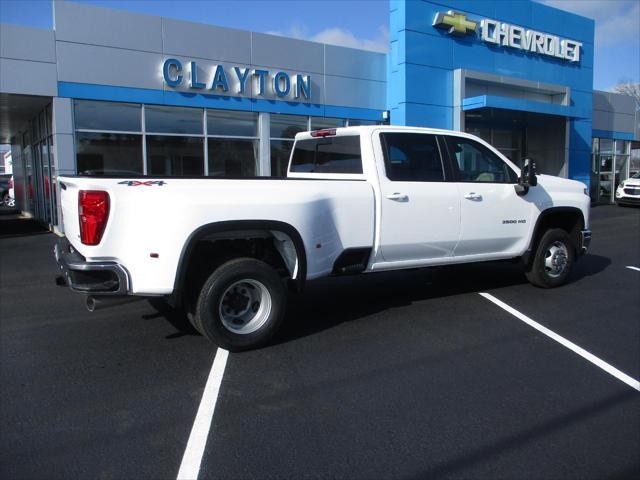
(355, 200)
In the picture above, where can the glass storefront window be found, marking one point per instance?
(160, 119)
(606, 145)
(318, 123)
(230, 123)
(280, 152)
(361, 123)
(108, 153)
(175, 155)
(119, 117)
(286, 126)
(233, 157)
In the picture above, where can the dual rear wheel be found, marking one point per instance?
(241, 304)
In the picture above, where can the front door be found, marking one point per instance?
(495, 220)
(420, 206)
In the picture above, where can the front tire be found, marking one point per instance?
(241, 305)
(553, 259)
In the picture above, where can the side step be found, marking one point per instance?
(352, 261)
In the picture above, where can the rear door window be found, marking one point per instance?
(327, 155)
(412, 157)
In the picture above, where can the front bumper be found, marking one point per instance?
(585, 237)
(103, 278)
(628, 200)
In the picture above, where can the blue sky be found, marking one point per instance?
(360, 23)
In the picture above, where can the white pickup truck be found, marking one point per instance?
(355, 200)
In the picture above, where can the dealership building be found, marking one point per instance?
(121, 93)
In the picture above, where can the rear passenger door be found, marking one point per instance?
(420, 205)
(495, 220)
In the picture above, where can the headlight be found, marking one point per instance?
(621, 185)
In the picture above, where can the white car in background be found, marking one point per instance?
(628, 192)
(12, 194)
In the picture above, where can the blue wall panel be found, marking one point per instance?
(435, 85)
(423, 49)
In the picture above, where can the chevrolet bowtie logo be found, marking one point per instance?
(455, 23)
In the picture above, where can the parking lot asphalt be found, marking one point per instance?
(396, 375)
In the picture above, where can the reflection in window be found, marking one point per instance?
(476, 163)
(362, 123)
(232, 143)
(160, 119)
(233, 157)
(286, 126)
(108, 153)
(121, 117)
(179, 156)
(280, 152)
(319, 123)
(230, 123)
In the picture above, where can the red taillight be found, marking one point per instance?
(327, 132)
(11, 182)
(93, 209)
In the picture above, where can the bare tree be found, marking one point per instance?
(627, 87)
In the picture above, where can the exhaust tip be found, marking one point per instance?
(91, 303)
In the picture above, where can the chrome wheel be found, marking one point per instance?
(245, 306)
(555, 259)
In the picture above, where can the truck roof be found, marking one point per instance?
(368, 128)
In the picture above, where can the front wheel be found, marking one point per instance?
(241, 304)
(8, 201)
(553, 259)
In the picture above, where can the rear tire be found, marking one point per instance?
(553, 259)
(241, 305)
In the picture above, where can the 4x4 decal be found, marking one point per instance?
(147, 183)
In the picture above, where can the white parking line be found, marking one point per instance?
(190, 466)
(633, 268)
(632, 382)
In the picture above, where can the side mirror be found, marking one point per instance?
(527, 178)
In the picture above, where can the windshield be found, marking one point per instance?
(636, 175)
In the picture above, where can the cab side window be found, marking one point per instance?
(412, 157)
(476, 163)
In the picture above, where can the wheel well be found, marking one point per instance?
(278, 245)
(570, 220)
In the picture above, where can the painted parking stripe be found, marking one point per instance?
(632, 382)
(190, 466)
(633, 268)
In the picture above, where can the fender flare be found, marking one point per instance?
(229, 226)
(535, 235)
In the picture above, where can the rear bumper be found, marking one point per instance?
(103, 278)
(585, 240)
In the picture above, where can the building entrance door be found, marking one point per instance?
(507, 141)
(609, 167)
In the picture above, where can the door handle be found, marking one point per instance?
(476, 197)
(398, 197)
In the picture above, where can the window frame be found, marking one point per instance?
(453, 161)
(447, 172)
(315, 156)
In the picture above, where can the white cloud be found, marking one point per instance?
(340, 37)
(617, 21)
